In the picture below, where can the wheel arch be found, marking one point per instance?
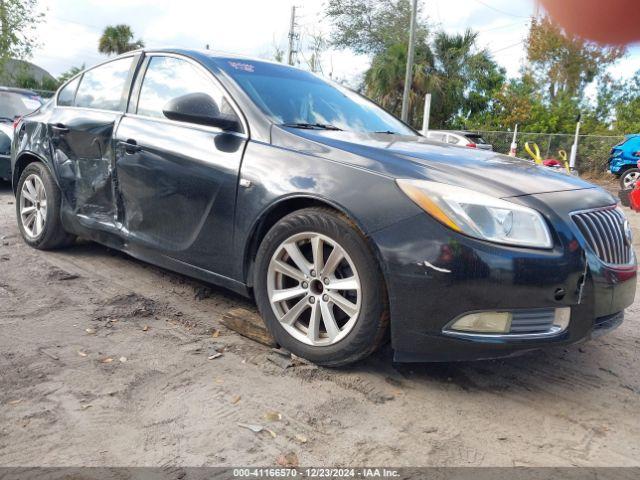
(23, 160)
(283, 207)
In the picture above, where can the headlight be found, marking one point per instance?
(479, 215)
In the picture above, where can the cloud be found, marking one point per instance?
(70, 35)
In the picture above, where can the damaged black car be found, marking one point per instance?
(347, 226)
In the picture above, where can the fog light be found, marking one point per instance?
(562, 317)
(484, 322)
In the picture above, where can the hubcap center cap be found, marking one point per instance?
(316, 287)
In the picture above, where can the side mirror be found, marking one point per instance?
(201, 109)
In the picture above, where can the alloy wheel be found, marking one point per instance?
(33, 206)
(314, 289)
(630, 179)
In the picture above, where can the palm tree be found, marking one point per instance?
(118, 39)
(384, 81)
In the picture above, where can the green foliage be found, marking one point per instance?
(18, 22)
(372, 26)
(563, 64)
(118, 39)
(72, 72)
(627, 106)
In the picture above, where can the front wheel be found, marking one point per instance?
(629, 178)
(319, 288)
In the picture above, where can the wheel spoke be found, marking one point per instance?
(31, 188)
(350, 283)
(288, 270)
(343, 304)
(28, 196)
(39, 223)
(333, 261)
(29, 220)
(318, 256)
(293, 314)
(297, 257)
(287, 294)
(330, 324)
(313, 332)
(27, 210)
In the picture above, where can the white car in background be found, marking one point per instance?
(460, 138)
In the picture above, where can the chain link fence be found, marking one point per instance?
(593, 150)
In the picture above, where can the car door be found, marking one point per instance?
(81, 129)
(178, 180)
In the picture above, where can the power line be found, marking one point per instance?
(507, 47)
(501, 11)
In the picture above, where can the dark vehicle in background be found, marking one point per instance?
(623, 161)
(459, 138)
(344, 224)
(14, 103)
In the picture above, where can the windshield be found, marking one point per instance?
(298, 98)
(14, 104)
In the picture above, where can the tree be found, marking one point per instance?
(627, 108)
(118, 39)
(562, 63)
(18, 22)
(384, 81)
(72, 72)
(469, 79)
(371, 26)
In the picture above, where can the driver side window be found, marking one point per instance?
(168, 78)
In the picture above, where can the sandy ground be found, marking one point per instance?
(105, 361)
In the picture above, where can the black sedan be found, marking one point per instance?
(345, 224)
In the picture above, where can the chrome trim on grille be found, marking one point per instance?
(603, 230)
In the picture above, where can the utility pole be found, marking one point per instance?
(410, 54)
(292, 36)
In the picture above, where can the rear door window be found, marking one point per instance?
(104, 87)
(452, 139)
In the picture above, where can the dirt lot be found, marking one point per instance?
(105, 360)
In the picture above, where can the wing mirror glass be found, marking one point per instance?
(201, 109)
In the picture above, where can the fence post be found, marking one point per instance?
(427, 112)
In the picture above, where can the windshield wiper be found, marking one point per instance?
(311, 126)
(6, 119)
(387, 132)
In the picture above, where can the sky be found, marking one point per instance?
(69, 35)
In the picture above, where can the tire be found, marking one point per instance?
(629, 178)
(342, 336)
(44, 231)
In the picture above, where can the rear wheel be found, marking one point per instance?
(319, 288)
(629, 178)
(38, 209)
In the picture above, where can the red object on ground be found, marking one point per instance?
(634, 199)
(551, 162)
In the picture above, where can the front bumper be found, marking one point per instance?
(435, 275)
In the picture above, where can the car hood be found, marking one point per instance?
(403, 156)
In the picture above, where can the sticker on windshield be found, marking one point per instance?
(245, 67)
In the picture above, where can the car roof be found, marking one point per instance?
(22, 91)
(458, 132)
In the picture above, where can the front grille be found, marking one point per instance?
(532, 321)
(604, 231)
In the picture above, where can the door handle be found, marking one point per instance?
(60, 128)
(131, 146)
